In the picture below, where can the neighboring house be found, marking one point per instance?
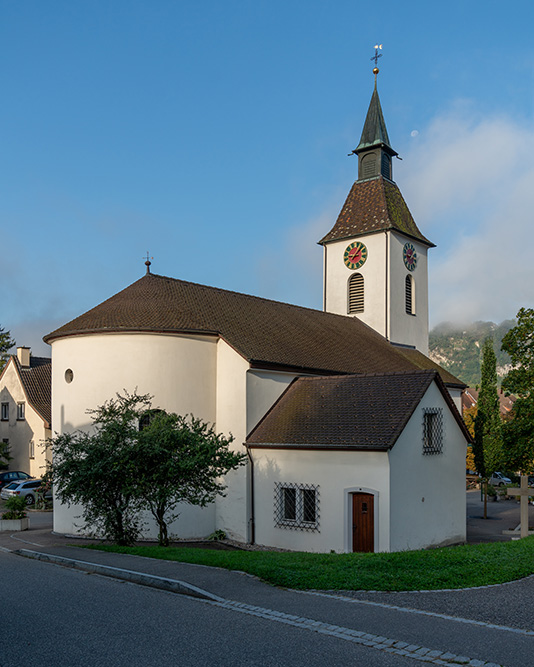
(470, 400)
(227, 358)
(25, 405)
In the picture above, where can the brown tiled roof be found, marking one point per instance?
(425, 363)
(373, 206)
(37, 383)
(266, 333)
(360, 412)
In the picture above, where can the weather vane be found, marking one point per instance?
(148, 262)
(377, 55)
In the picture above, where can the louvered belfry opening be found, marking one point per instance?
(356, 294)
(409, 295)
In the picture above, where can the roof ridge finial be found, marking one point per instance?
(148, 262)
(375, 58)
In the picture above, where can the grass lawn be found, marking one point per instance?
(450, 567)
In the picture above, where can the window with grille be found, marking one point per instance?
(296, 506)
(410, 296)
(432, 430)
(356, 293)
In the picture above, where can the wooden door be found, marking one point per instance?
(363, 522)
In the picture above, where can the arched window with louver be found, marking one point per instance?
(410, 295)
(356, 294)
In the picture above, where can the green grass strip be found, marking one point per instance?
(431, 569)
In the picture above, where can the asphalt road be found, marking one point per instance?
(56, 616)
(53, 616)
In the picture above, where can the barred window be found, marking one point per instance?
(432, 430)
(296, 506)
(410, 295)
(356, 293)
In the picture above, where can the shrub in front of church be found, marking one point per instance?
(138, 458)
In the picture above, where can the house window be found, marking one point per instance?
(296, 506)
(20, 411)
(32, 450)
(432, 430)
(355, 304)
(410, 295)
(5, 412)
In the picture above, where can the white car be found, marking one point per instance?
(498, 479)
(26, 489)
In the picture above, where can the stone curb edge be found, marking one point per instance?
(150, 580)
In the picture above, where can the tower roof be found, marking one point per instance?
(374, 130)
(372, 206)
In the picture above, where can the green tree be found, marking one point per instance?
(5, 457)
(6, 343)
(181, 459)
(487, 445)
(97, 469)
(519, 429)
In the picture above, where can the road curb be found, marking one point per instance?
(141, 578)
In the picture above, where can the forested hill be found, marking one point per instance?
(457, 348)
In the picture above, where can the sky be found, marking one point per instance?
(214, 136)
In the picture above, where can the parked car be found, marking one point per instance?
(8, 476)
(26, 489)
(499, 479)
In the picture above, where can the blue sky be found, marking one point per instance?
(215, 136)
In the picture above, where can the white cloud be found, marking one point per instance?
(470, 187)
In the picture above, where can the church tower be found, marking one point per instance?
(375, 257)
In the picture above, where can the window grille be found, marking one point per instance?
(432, 430)
(410, 301)
(386, 165)
(356, 292)
(296, 506)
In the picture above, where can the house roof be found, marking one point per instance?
(36, 380)
(374, 205)
(268, 334)
(355, 412)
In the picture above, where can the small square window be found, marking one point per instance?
(21, 408)
(5, 412)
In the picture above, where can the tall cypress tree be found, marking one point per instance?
(487, 446)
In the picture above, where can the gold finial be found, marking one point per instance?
(148, 262)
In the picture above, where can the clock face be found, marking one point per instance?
(355, 255)
(410, 256)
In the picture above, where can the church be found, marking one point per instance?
(354, 437)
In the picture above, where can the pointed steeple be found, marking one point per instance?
(374, 151)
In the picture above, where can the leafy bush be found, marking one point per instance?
(16, 508)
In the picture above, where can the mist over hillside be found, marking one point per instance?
(457, 348)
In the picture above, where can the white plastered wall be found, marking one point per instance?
(337, 474)
(231, 401)
(21, 432)
(336, 277)
(179, 371)
(428, 490)
(404, 328)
